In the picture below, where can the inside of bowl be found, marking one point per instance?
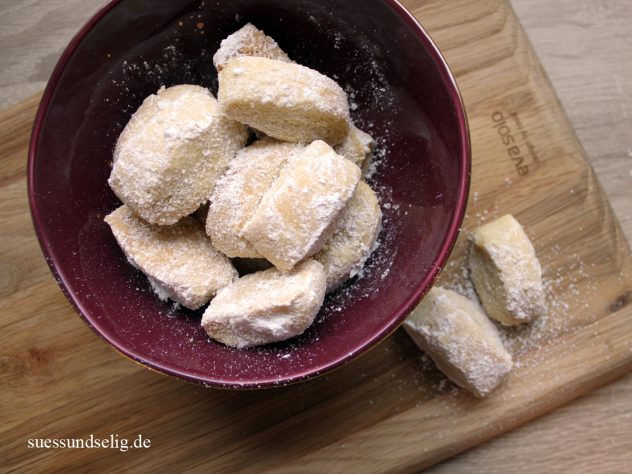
(397, 93)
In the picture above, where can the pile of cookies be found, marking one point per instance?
(292, 204)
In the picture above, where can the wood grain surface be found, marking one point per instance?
(58, 380)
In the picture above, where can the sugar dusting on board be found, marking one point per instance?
(568, 288)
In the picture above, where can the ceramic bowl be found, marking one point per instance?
(401, 91)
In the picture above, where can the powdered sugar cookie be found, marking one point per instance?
(353, 240)
(172, 152)
(461, 340)
(248, 41)
(266, 307)
(284, 100)
(239, 192)
(299, 212)
(178, 259)
(356, 146)
(506, 272)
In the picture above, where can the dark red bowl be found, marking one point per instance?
(405, 96)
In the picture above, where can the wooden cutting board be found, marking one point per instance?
(389, 410)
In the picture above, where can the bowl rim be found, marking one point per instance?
(395, 319)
